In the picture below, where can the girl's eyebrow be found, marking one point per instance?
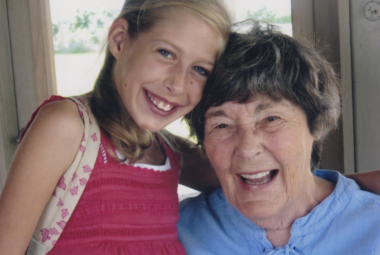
(178, 48)
(163, 40)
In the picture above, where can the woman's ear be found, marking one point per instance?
(118, 36)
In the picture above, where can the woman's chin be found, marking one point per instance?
(258, 199)
(262, 213)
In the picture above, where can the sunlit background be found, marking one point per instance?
(80, 28)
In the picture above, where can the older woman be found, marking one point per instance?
(261, 121)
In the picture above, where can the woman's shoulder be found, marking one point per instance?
(358, 219)
(348, 193)
(368, 200)
(357, 206)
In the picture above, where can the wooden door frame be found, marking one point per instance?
(32, 54)
(346, 79)
(319, 21)
(8, 110)
(27, 69)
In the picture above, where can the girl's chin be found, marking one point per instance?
(154, 126)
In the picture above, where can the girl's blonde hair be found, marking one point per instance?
(129, 139)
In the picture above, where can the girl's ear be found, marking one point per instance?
(118, 36)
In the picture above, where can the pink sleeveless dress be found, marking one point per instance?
(124, 209)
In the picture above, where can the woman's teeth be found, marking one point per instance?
(257, 183)
(160, 105)
(257, 179)
(255, 176)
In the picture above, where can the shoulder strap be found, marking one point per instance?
(71, 185)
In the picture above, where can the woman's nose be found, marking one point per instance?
(177, 80)
(249, 144)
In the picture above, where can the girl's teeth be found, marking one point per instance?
(161, 106)
(255, 176)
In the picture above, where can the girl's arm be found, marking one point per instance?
(196, 171)
(46, 151)
(369, 181)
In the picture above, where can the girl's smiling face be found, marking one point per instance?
(160, 74)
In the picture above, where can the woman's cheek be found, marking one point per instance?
(216, 153)
(291, 182)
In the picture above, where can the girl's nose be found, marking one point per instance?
(177, 80)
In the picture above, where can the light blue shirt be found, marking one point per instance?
(346, 222)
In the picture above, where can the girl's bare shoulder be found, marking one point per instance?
(61, 114)
(47, 149)
(57, 131)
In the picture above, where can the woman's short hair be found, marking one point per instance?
(129, 139)
(265, 61)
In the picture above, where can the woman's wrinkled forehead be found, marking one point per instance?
(254, 105)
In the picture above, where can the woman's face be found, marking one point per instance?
(160, 74)
(261, 153)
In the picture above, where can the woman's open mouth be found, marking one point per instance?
(259, 178)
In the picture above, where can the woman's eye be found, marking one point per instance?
(270, 119)
(222, 126)
(201, 70)
(165, 53)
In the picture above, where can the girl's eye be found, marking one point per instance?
(201, 70)
(165, 53)
(270, 119)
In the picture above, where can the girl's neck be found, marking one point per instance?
(278, 228)
(154, 155)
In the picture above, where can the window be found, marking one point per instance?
(277, 12)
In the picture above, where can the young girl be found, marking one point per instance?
(160, 53)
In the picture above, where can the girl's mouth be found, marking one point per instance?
(160, 104)
(259, 178)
